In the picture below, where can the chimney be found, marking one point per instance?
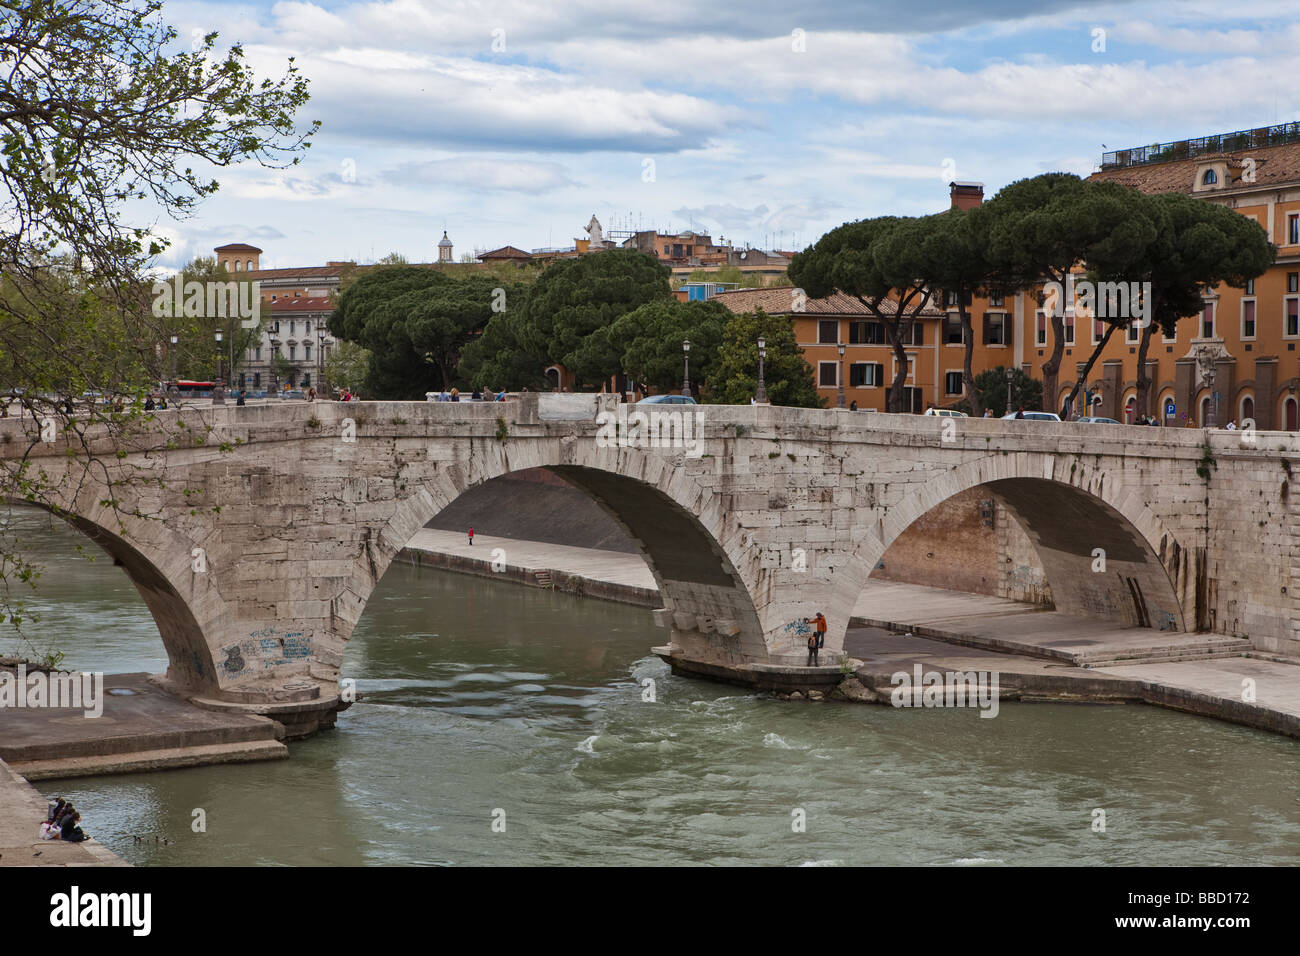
(966, 195)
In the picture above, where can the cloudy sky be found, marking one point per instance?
(766, 123)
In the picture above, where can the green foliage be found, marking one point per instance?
(416, 323)
(103, 107)
(575, 298)
(348, 365)
(788, 377)
(648, 341)
(991, 388)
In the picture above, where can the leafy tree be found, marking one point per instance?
(100, 106)
(882, 263)
(649, 341)
(197, 345)
(1041, 228)
(576, 297)
(991, 391)
(1198, 244)
(348, 366)
(501, 358)
(414, 322)
(787, 376)
(953, 245)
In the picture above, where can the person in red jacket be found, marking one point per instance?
(471, 537)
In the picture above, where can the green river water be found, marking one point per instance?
(481, 696)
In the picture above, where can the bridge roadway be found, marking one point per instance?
(256, 534)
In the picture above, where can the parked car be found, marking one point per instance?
(946, 413)
(1035, 417)
(667, 400)
(1096, 420)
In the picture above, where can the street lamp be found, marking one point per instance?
(218, 392)
(1011, 374)
(686, 366)
(275, 379)
(320, 361)
(839, 399)
(220, 369)
(761, 397)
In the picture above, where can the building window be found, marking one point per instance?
(1068, 320)
(306, 379)
(1132, 333)
(306, 327)
(292, 324)
(828, 332)
(272, 298)
(1040, 330)
(1207, 321)
(237, 265)
(1293, 228)
(911, 366)
(952, 331)
(275, 326)
(995, 328)
(828, 374)
(306, 351)
(257, 380)
(995, 300)
(1166, 337)
(293, 353)
(1250, 287)
(952, 384)
(1210, 178)
(1293, 282)
(250, 266)
(918, 333)
(866, 374)
(1098, 330)
(1292, 305)
(1247, 318)
(257, 354)
(866, 333)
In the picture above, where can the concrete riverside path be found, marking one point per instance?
(21, 811)
(1042, 654)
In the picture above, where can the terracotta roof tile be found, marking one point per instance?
(778, 300)
(1274, 165)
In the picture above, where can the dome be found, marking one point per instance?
(445, 241)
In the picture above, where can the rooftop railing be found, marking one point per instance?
(1206, 145)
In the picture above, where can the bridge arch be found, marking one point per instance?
(697, 558)
(1142, 560)
(185, 606)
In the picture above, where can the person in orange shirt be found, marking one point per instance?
(816, 639)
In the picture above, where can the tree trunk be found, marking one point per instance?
(1143, 379)
(967, 375)
(1083, 375)
(1052, 367)
(895, 401)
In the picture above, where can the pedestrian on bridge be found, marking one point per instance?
(471, 536)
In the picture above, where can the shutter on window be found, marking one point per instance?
(985, 317)
(1007, 331)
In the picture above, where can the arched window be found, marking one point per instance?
(1130, 409)
(1210, 178)
(1205, 411)
(236, 265)
(250, 266)
(1289, 410)
(1247, 410)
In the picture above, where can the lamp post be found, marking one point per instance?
(275, 379)
(761, 397)
(174, 339)
(1011, 374)
(218, 391)
(686, 366)
(839, 399)
(320, 361)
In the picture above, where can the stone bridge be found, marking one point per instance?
(257, 534)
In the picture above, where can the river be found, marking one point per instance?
(487, 703)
